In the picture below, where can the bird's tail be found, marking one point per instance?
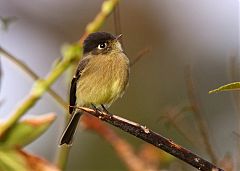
(70, 129)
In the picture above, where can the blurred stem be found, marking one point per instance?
(139, 55)
(234, 63)
(171, 120)
(33, 75)
(62, 158)
(201, 123)
(62, 155)
(117, 23)
(106, 9)
(40, 87)
(234, 68)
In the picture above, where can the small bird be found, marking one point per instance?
(101, 77)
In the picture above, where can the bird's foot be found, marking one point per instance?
(96, 109)
(105, 110)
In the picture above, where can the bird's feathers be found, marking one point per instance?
(73, 87)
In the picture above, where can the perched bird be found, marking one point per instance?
(101, 77)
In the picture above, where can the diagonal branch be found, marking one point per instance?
(123, 149)
(140, 54)
(155, 139)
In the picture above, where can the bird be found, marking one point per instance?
(101, 77)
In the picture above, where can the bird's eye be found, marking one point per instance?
(102, 45)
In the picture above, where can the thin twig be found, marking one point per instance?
(122, 148)
(236, 134)
(201, 123)
(107, 7)
(170, 117)
(117, 22)
(155, 139)
(140, 54)
(32, 74)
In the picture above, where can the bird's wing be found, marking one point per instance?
(75, 79)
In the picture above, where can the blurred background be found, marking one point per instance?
(201, 34)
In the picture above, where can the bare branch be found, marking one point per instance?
(170, 117)
(122, 147)
(117, 22)
(155, 139)
(140, 54)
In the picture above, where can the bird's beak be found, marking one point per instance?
(118, 37)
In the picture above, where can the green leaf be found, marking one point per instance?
(27, 131)
(36, 163)
(11, 160)
(19, 160)
(227, 87)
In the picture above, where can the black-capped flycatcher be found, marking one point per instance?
(101, 77)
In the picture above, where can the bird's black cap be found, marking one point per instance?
(94, 39)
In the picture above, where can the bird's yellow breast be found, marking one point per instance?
(103, 80)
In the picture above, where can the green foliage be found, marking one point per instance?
(19, 160)
(227, 87)
(11, 160)
(26, 131)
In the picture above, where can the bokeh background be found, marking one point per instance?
(201, 34)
